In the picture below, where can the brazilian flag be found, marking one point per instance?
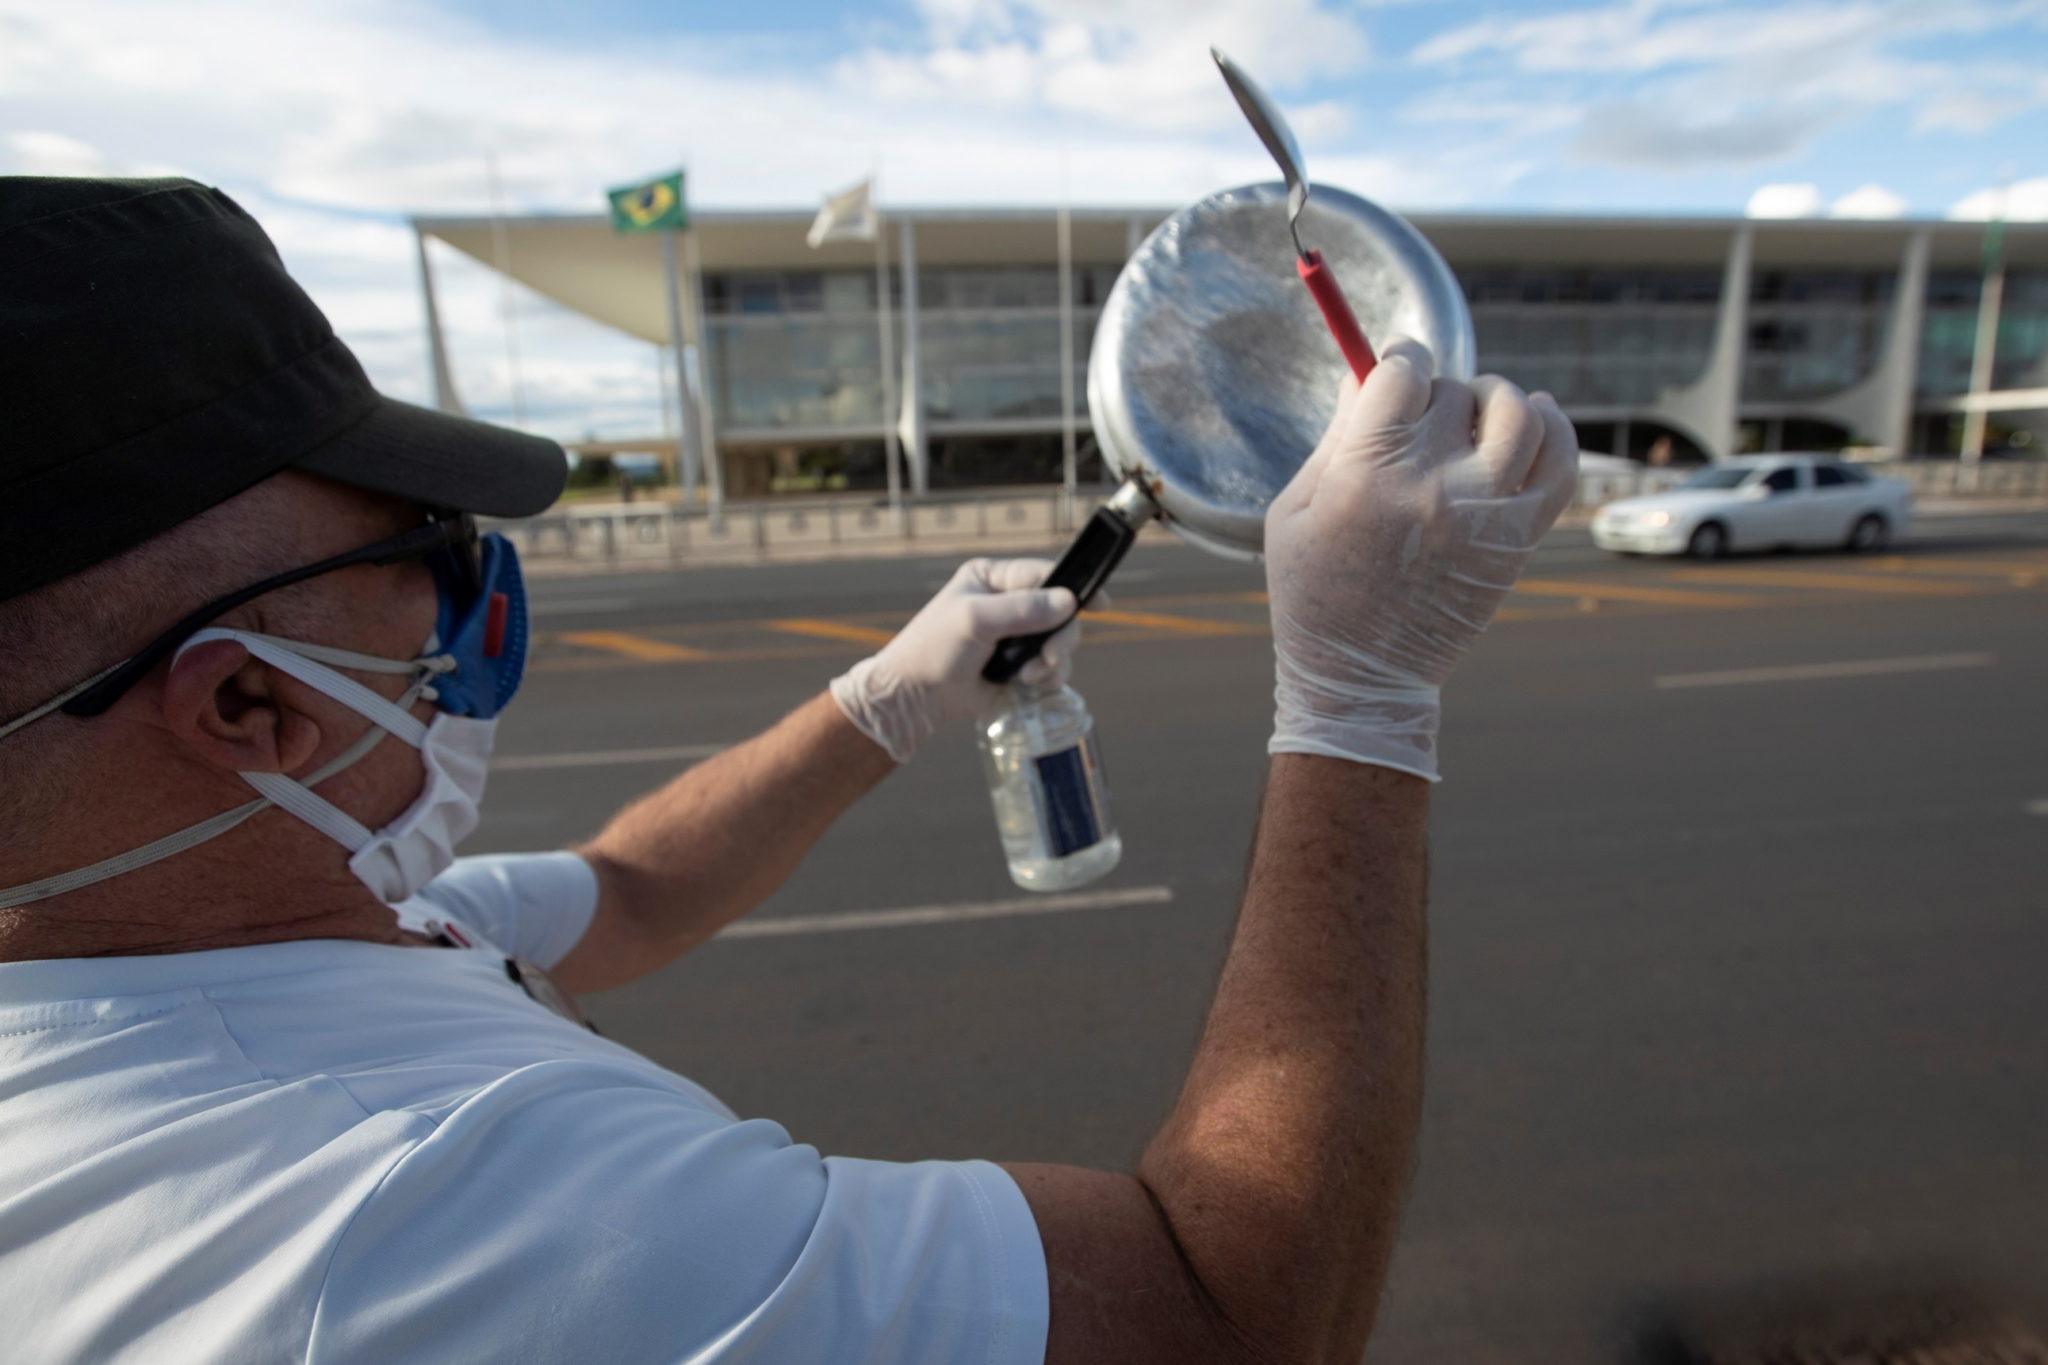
(651, 206)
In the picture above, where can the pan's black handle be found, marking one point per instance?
(1083, 569)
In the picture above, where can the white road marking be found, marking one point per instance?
(2038, 807)
(1850, 668)
(947, 914)
(580, 604)
(605, 758)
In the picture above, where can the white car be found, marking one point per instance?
(1759, 502)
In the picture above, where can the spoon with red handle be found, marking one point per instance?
(1272, 129)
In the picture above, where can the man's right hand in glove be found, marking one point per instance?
(1388, 553)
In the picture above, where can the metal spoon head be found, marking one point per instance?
(1271, 126)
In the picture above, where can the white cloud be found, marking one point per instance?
(53, 154)
(1869, 201)
(1141, 63)
(1749, 83)
(2025, 201)
(1496, 105)
(1632, 133)
(1785, 201)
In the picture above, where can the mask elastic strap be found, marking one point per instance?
(190, 837)
(290, 657)
(333, 654)
(276, 789)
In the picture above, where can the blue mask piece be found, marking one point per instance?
(487, 639)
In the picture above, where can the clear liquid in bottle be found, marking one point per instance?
(1045, 778)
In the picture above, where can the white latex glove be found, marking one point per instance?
(1388, 553)
(930, 674)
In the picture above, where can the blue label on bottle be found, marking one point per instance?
(1071, 821)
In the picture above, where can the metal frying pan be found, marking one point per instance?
(1212, 376)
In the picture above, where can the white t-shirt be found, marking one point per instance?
(332, 1150)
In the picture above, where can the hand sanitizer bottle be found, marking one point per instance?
(1045, 777)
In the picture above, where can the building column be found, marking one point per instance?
(1706, 408)
(442, 376)
(700, 374)
(911, 428)
(1879, 407)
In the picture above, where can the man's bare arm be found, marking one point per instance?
(1259, 1225)
(682, 862)
(1260, 1222)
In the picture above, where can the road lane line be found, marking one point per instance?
(1623, 592)
(1892, 585)
(1180, 625)
(2019, 572)
(580, 604)
(604, 758)
(1939, 564)
(831, 630)
(1852, 668)
(638, 647)
(947, 914)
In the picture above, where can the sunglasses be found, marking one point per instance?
(449, 542)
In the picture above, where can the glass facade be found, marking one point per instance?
(1948, 341)
(798, 349)
(1606, 337)
(795, 348)
(1814, 332)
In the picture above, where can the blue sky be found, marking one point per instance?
(334, 118)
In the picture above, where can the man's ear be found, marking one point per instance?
(226, 706)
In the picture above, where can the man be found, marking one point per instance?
(281, 1079)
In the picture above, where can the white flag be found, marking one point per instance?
(848, 216)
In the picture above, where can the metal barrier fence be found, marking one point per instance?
(650, 534)
(653, 534)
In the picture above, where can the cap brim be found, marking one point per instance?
(445, 461)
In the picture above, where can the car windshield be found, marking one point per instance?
(1719, 476)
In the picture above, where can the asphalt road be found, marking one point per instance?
(1740, 974)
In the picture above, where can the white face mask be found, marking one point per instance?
(395, 861)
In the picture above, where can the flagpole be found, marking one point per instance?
(700, 369)
(1069, 470)
(892, 446)
(686, 437)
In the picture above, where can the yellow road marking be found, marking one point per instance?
(1972, 568)
(1838, 582)
(632, 646)
(1623, 592)
(831, 630)
(1181, 625)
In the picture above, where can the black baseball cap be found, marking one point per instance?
(156, 360)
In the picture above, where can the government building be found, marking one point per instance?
(1664, 338)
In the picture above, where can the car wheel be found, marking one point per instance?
(1709, 541)
(1870, 533)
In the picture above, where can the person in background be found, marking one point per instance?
(282, 1078)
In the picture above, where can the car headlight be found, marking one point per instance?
(1658, 519)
